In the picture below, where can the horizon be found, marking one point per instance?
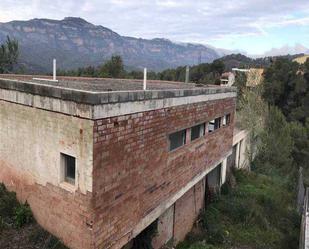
(254, 28)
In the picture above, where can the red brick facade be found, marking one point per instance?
(63, 214)
(134, 171)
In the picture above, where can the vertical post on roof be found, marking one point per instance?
(145, 79)
(187, 74)
(54, 69)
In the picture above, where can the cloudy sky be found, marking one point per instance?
(254, 26)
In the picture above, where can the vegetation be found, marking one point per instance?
(206, 73)
(18, 228)
(258, 213)
(9, 53)
(251, 116)
(287, 87)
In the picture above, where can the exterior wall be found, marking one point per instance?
(187, 210)
(165, 229)
(134, 172)
(31, 142)
(185, 215)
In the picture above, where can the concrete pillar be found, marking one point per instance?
(237, 155)
(223, 171)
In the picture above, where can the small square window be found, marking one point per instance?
(69, 168)
(177, 139)
(197, 131)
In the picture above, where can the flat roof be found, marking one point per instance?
(102, 90)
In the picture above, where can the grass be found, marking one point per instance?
(18, 228)
(258, 213)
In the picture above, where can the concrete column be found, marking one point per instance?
(237, 155)
(223, 171)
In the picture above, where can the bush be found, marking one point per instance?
(22, 215)
(257, 213)
(2, 224)
(8, 203)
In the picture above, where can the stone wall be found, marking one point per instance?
(134, 173)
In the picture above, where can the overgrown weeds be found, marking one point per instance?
(258, 213)
(18, 228)
(11, 211)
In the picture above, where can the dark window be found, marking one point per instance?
(177, 139)
(197, 131)
(214, 124)
(69, 168)
(226, 119)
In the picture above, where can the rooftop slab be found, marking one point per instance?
(96, 91)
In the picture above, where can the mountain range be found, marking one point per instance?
(74, 42)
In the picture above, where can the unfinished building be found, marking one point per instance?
(100, 160)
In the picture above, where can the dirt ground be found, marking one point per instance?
(31, 236)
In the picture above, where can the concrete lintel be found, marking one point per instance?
(118, 109)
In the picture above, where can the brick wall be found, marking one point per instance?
(175, 223)
(185, 215)
(134, 170)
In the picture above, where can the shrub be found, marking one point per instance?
(22, 215)
(2, 224)
(8, 202)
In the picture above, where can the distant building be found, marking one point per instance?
(227, 79)
(100, 160)
(254, 77)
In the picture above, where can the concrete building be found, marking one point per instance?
(100, 160)
(227, 79)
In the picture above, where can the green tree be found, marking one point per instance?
(240, 83)
(217, 67)
(286, 86)
(275, 149)
(9, 53)
(113, 68)
(300, 136)
(251, 116)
